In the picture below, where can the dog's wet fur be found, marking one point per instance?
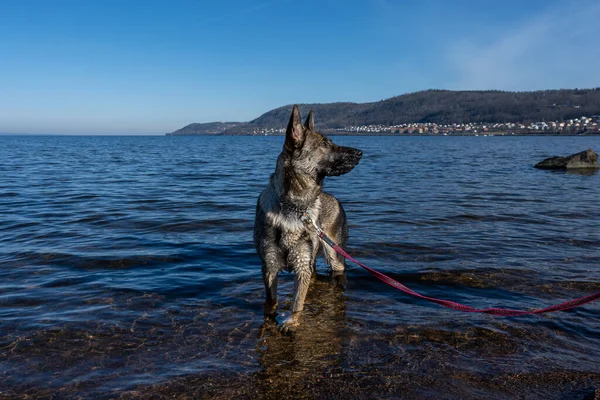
(282, 239)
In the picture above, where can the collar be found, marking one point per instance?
(286, 205)
(289, 206)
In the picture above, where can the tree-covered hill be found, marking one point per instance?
(441, 107)
(209, 128)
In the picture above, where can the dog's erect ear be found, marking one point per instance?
(295, 133)
(310, 121)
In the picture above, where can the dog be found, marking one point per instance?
(282, 237)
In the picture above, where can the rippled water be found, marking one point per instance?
(127, 269)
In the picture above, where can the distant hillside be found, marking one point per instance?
(209, 128)
(441, 107)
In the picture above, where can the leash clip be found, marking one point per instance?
(307, 219)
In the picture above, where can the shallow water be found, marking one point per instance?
(127, 269)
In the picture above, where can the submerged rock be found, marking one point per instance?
(585, 159)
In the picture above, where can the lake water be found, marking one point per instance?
(127, 269)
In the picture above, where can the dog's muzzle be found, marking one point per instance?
(349, 159)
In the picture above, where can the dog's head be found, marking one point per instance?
(315, 154)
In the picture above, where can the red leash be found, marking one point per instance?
(502, 312)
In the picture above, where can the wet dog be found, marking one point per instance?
(283, 239)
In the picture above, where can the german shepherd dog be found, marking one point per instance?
(283, 239)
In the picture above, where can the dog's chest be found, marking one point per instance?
(290, 239)
(299, 247)
(292, 232)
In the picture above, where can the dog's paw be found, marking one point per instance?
(288, 329)
(289, 325)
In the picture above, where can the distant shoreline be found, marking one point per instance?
(569, 111)
(327, 132)
(341, 133)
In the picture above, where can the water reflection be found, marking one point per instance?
(573, 171)
(582, 171)
(289, 363)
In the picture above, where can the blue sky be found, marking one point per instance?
(150, 67)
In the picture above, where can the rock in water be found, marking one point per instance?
(585, 159)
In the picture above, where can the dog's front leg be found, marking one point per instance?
(302, 260)
(270, 280)
(270, 268)
(301, 283)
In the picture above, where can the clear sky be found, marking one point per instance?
(150, 67)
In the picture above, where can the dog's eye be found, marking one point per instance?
(326, 143)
